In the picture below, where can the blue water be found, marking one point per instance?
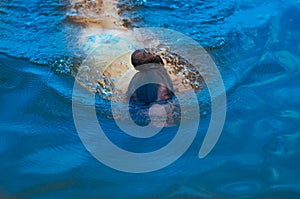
(257, 155)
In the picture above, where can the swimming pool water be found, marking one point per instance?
(257, 155)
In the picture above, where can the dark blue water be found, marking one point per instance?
(257, 155)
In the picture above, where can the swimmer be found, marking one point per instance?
(104, 38)
(150, 67)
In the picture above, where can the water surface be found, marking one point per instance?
(257, 155)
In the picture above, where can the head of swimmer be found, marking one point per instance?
(151, 92)
(141, 57)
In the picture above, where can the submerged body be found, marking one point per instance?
(105, 69)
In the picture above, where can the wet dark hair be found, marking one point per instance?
(140, 57)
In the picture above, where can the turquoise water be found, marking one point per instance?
(257, 155)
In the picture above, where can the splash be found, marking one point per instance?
(108, 44)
